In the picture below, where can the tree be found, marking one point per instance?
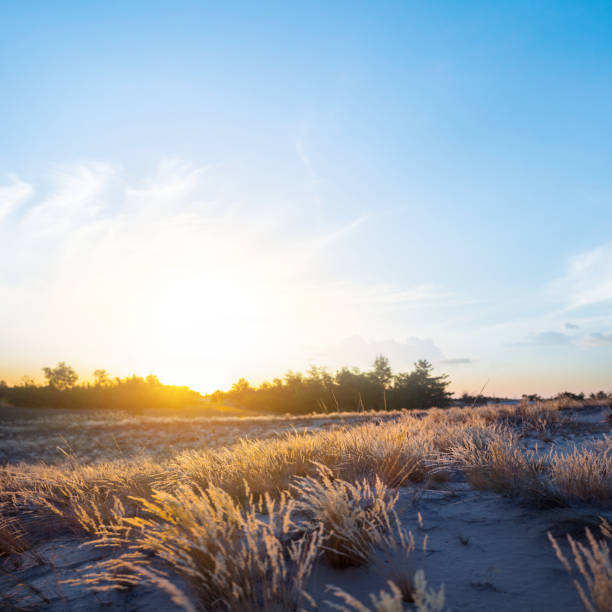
(532, 397)
(420, 389)
(568, 395)
(101, 378)
(61, 377)
(241, 385)
(381, 372)
(27, 381)
(151, 379)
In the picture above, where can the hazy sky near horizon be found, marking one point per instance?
(210, 190)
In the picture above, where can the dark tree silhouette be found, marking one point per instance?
(61, 377)
(101, 378)
(420, 388)
(381, 371)
(347, 389)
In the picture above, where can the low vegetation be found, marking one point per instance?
(348, 389)
(317, 391)
(593, 564)
(242, 527)
(425, 599)
(132, 394)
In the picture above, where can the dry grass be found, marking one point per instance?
(393, 451)
(107, 436)
(411, 448)
(583, 475)
(254, 555)
(593, 564)
(12, 538)
(232, 558)
(425, 600)
(383, 602)
(354, 518)
(494, 460)
(243, 526)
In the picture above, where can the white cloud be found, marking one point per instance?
(588, 280)
(357, 351)
(76, 199)
(598, 339)
(13, 194)
(174, 182)
(163, 274)
(388, 294)
(546, 338)
(456, 361)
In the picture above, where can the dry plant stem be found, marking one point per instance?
(230, 558)
(412, 448)
(583, 475)
(224, 519)
(425, 600)
(353, 517)
(593, 564)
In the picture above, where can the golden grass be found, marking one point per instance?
(12, 537)
(243, 526)
(249, 556)
(494, 460)
(411, 448)
(381, 602)
(232, 558)
(354, 518)
(425, 599)
(583, 475)
(593, 564)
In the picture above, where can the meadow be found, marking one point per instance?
(481, 508)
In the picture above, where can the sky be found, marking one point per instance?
(213, 190)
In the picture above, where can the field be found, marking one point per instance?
(485, 508)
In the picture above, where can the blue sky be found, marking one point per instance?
(210, 191)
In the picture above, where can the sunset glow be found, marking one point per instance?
(413, 184)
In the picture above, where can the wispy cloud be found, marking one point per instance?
(13, 194)
(307, 163)
(547, 338)
(456, 361)
(160, 273)
(319, 243)
(598, 339)
(356, 350)
(76, 199)
(173, 182)
(388, 294)
(588, 280)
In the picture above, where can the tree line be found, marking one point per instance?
(318, 390)
(348, 389)
(378, 388)
(61, 390)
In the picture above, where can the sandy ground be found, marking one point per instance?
(28, 435)
(490, 552)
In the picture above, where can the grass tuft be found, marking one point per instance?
(593, 564)
(425, 599)
(352, 517)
